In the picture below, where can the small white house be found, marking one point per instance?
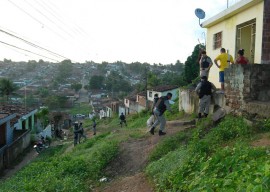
(162, 90)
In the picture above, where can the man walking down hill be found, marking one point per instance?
(204, 89)
(161, 106)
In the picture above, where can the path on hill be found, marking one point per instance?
(126, 171)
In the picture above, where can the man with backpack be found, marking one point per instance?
(161, 106)
(205, 90)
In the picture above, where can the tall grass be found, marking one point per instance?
(73, 171)
(219, 159)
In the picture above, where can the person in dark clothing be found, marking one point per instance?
(204, 89)
(152, 118)
(82, 130)
(122, 119)
(161, 106)
(94, 127)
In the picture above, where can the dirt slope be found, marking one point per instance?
(126, 171)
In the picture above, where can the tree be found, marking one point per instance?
(43, 116)
(192, 67)
(7, 87)
(76, 86)
(64, 70)
(153, 80)
(96, 82)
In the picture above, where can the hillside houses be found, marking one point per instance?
(132, 104)
(15, 125)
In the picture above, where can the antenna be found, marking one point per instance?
(200, 14)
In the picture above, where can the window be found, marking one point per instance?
(217, 40)
(245, 39)
(150, 94)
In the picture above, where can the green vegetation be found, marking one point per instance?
(80, 108)
(217, 159)
(57, 170)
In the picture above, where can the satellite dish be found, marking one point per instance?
(200, 14)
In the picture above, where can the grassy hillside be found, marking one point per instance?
(206, 158)
(217, 159)
(57, 170)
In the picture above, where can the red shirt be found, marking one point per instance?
(241, 60)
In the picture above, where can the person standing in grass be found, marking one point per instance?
(122, 119)
(82, 130)
(94, 127)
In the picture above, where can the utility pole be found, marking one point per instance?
(146, 97)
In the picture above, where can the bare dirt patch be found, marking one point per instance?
(262, 142)
(125, 173)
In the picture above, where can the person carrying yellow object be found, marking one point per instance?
(225, 59)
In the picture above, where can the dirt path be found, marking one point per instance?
(126, 171)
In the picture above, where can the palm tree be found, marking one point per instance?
(7, 87)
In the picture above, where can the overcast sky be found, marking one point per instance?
(153, 31)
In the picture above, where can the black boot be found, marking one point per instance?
(152, 130)
(205, 115)
(160, 133)
(199, 115)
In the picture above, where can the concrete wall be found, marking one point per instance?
(266, 33)
(247, 88)
(189, 101)
(2, 164)
(227, 25)
(17, 147)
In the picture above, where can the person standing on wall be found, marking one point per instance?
(224, 62)
(161, 106)
(205, 64)
(204, 89)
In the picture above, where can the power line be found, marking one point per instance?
(32, 44)
(78, 28)
(36, 19)
(51, 11)
(27, 51)
(48, 18)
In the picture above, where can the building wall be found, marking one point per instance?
(247, 89)
(266, 33)
(228, 28)
(9, 133)
(16, 148)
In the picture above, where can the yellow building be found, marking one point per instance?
(245, 25)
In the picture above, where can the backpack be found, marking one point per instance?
(206, 89)
(205, 63)
(160, 105)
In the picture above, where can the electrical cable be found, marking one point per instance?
(27, 51)
(37, 20)
(49, 19)
(32, 44)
